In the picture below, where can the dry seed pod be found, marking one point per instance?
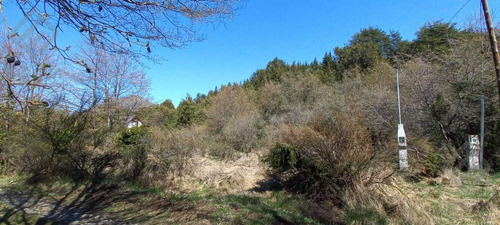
(11, 59)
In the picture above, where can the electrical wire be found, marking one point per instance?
(458, 11)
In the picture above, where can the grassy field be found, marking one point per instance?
(460, 198)
(69, 202)
(453, 198)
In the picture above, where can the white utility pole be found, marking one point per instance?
(403, 153)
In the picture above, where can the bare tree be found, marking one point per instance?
(108, 79)
(26, 77)
(110, 23)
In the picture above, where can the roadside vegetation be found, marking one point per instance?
(296, 143)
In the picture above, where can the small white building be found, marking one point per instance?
(133, 121)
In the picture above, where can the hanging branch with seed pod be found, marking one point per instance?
(13, 62)
(140, 24)
(25, 73)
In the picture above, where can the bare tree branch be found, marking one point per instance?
(139, 23)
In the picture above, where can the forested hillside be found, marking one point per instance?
(325, 129)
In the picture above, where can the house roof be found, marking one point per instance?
(132, 118)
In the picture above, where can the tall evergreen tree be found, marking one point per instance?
(435, 37)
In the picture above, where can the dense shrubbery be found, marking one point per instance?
(55, 144)
(133, 149)
(326, 156)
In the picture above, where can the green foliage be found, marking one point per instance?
(164, 115)
(170, 117)
(274, 72)
(434, 37)
(189, 112)
(387, 45)
(132, 136)
(363, 55)
(133, 149)
(367, 47)
(432, 164)
(282, 157)
(440, 107)
(330, 70)
(275, 69)
(167, 104)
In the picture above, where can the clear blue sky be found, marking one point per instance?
(292, 30)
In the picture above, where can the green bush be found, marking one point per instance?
(132, 136)
(282, 157)
(53, 143)
(432, 164)
(133, 150)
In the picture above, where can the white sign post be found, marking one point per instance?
(403, 153)
(473, 152)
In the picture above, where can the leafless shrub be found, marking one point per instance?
(216, 147)
(167, 158)
(234, 119)
(271, 100)
(243, 133)
(229, 103)
(298, 115)
(300, 89)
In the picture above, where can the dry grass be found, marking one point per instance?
(452, 198)
(225, 176)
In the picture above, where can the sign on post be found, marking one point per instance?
(473, 152)
(403, 153)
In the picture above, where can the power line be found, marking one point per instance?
(458, 11)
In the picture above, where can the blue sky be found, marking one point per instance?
(292, 30)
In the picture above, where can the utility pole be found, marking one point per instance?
(403, 153)
(493, 43)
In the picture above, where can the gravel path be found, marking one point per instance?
(48, 208)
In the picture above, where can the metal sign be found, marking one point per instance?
(403, 153)
(473, 152)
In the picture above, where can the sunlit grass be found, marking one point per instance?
(446, 203)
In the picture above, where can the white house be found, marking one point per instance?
(133, 121)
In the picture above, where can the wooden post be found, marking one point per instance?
(493, 43)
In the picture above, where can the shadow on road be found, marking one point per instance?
(82, 203)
